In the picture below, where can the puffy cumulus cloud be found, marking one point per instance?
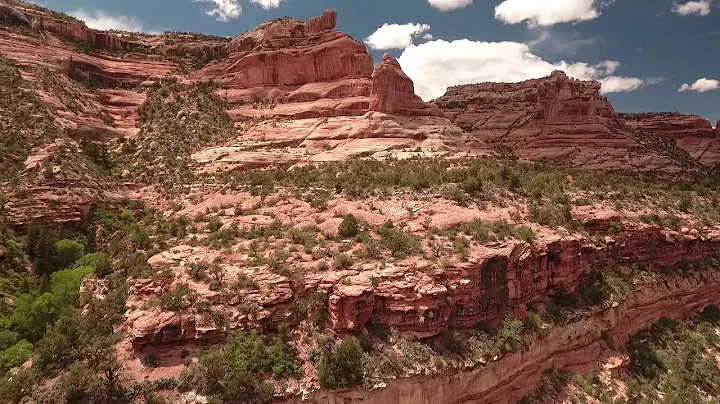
(447, 5)
(223, 10)
(396, 36)
(546, 12)
(439, 64)
(701, 86)
(101, 20)
(615, 84)
(267, 4)
(701, 8)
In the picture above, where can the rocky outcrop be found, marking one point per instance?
(419, 300)
(554, 119)
(288, 52)
(26, 15)
(394, 92)
(670, 125)
(325, 22)
(498, 281)
(692, 133)
(577, 347)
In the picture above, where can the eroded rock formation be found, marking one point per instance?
(422, 301)
(692, 133)
(577, 347)
(554, 119)
(288, 52)
(394, 92)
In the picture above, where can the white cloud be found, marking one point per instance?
(546, 12)
(615, 84)
(224, 10)
(447, 5)
(428, 37)
(701, 85)
(100, 20)
(396, 36)
(267, 4)
(701, 8)
(438, 64)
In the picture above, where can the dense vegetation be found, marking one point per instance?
(671, 362)
(41, 273)
(177, 120)
(25, 121)
(549, 191)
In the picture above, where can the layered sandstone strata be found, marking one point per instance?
(692, 133)
(554, 119)
(394, 92)
(419, 300)
(289, 52)
(578, 347)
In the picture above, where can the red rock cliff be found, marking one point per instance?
(288, 52)
(554, 119)
(394, 92)
(692, 133)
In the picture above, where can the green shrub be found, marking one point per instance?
(401, 244)
(15, 355)
(711, 314)
(343, 261)
(67, 252)
(214, 224)
(340, 366)
(510, 336)
(234, 372)
(177, 298)
(644, 360)
(349, 227)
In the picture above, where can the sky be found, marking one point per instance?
(650, 55)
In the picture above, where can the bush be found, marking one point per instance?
(15, 356)
(98, 261)
(234, 373)
(177, 298)
(510, 336)
(349, 227)
(341, 366)
(399, 242)
(67, 252)
(644, 360)
(343, 261)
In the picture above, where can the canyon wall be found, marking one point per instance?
(422, 301)
(692, 133)
(577, 347)
(554, 119)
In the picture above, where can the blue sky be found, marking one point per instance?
(642, 50)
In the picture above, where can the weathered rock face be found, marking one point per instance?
(288, 52)
(394, 92)
(670, 125)
(501, 281)
(16, 13)
(577, 347)
(420, 301)
(692, 133)
(554, 119)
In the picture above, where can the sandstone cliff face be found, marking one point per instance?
(288, 52)
(394, 92)
(577, 347)
(692, 133)
(501, 281)
(422, 301)
(671, 125)
(554, 119)
(16, 13)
